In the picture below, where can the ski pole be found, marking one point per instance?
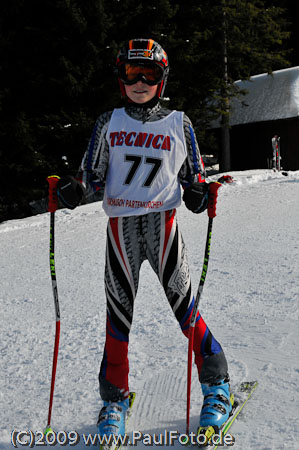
(213, 192)
(52, 207)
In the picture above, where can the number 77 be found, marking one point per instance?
(136, 162)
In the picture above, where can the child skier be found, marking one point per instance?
(143, 154)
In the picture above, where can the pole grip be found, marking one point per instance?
(213, 194)
(53, 199)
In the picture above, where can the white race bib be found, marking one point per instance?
(144, 162)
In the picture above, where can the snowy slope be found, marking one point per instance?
(250, 302)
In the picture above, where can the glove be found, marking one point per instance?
(70, 192)
(196, 197)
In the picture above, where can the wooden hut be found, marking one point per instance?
(270, 107)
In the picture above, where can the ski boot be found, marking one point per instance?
(217, 407)
(112, 418)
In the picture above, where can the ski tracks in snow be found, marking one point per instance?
(250, 303)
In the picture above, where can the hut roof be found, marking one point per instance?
(269, 97)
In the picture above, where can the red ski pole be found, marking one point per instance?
(52, 207)
(213, 192)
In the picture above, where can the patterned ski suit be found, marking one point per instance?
(142, 155)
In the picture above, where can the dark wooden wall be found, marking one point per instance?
(251, 144)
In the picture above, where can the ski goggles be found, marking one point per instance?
(132, 73)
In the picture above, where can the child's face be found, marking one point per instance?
(140, 92)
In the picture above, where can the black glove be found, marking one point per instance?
(196, 197)
(70, 192)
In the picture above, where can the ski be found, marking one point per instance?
(116, 442)
(211, 436)
(276, 153)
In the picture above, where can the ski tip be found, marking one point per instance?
(48, 430)
(132, 396)
(248, 385)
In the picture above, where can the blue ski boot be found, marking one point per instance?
(217, 404)
(112, 418)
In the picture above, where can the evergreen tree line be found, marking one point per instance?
(57, 72)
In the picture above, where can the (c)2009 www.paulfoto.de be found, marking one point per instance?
(29, 438)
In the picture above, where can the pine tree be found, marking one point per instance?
(57, 72)
(212, 43)
(240, 38)
(51, 71)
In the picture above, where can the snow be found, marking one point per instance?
(250, 302)
(267, 98)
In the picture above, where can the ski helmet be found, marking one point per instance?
(146, 53)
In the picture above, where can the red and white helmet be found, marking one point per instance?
(145, 53)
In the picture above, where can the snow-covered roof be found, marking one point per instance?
(269, 97)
